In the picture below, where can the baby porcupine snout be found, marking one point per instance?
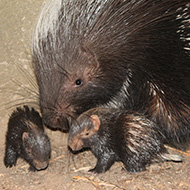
(40, 165)
(75, 143)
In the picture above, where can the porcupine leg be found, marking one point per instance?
(103, 164)
(134, 164)
(10, 157)
(135, 168)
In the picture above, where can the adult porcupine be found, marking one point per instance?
(128, 54)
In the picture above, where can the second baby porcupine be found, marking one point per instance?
(114, 135)
(26, 139)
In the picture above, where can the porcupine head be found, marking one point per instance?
(75, 88)
(83, 132)
(75, 63)
(36, 149)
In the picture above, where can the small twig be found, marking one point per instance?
(2, 175)
(82, 169)
(87, 179)
(96, 184)
(24, 166)
(57, 158)
(183, 166)
(183, 183)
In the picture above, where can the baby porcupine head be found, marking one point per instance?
(37, 148)
(82, 130)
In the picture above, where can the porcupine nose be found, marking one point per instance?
(75, 144)
(40, 165)
(63, 123)
(59, 122)
(44, 165)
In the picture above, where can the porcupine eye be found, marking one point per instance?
(29, 152)
(78, 82)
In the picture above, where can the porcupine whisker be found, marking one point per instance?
(26, 88)
(63, 71)
(51, 108)
(69, 116)
(22, 98)
(20, 104)
(33, 94)
(29, 77)
(59, 106)
(23, 101)
(72, 118)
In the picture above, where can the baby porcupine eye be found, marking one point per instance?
(87, 133)
(29, 152)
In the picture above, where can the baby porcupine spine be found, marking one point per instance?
(141, 142)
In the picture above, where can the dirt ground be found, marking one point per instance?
(66, 171)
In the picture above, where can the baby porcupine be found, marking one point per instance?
(114, 135)
(25, 138)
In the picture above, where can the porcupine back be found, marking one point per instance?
(124, 54)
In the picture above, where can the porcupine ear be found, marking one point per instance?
(24, 136)
(96, 122)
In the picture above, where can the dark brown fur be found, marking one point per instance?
(127, 54)
(26, 139)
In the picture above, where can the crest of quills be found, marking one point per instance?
(128, 55)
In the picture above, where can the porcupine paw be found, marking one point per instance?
(98, 169)
(10, 158)
(32, 168)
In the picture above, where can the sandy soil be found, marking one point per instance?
(66, 171)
